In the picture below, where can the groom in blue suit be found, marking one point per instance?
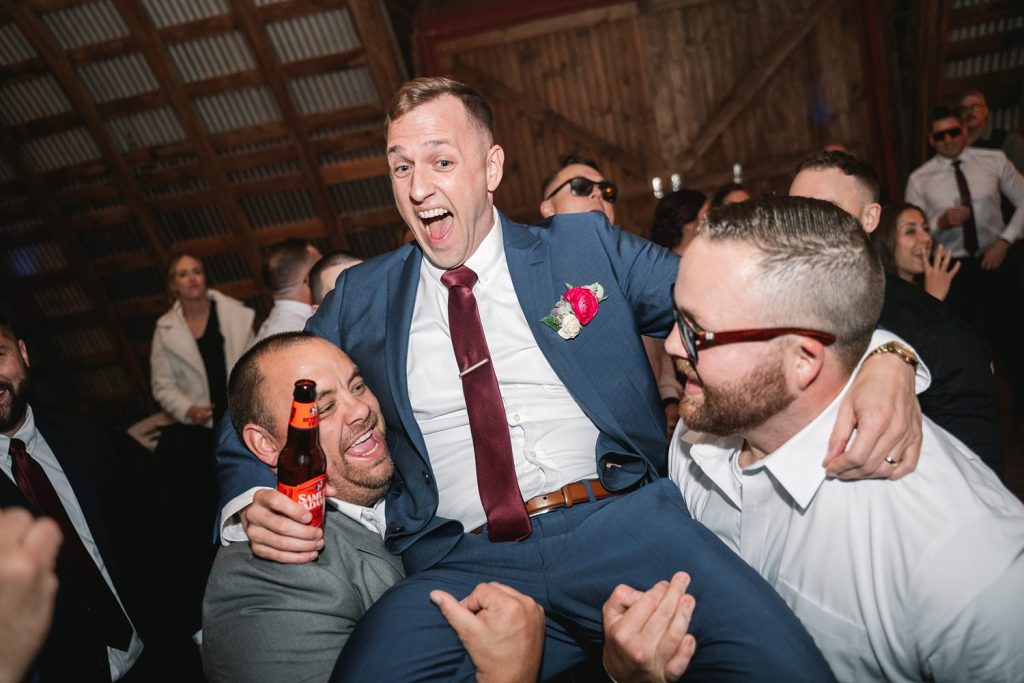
(587, 431)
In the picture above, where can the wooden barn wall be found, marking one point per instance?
(661, 88)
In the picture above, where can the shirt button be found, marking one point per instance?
(483, 278)
(515, 419)
(533, 454)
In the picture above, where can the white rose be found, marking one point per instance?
(598, 290)
(570, 327)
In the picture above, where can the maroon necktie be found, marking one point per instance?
(33, 482)
(495, 470)
(970, 229)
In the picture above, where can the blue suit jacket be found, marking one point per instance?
(605, 368)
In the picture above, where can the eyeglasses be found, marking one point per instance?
(971, 108)
(953, 133)
(694, 340)
(582, 187)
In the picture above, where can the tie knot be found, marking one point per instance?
(956, 164)
(17, 449)
(461, 276)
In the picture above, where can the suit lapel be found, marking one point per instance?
(402, 286)
(538, 288)
(364, 540)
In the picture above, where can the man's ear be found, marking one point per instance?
(808, 360)
(23, 350)
(262, 443)
(870, 217)
(495, 167)
(547, 209)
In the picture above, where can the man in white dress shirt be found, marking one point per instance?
(959, 191)
(919, 579)
(286, 267)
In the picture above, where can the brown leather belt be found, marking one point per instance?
(565, 497)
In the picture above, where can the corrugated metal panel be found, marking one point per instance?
(264, 3)
(95, 22)
(265, 210)
(237, 109)
(195, 222)
(125, 285)
(61, 300)
(112, 240)
(177, 188)
(339, 156)
(171, 12)
(79, 183)
(227, 266)
(169, 162)
(372, 194)
(253, 147)
(346, 128)
(986, 28)
(35, 259)
(21, 225)
(313, 35)
(118, 78)
(368, 243)
(102, 383)
(66, 148)
(74, 344)
(333, 91)
(79, 209)
(148, 128)
(13, 46)
(32, 99)
(218, 55)
(985, 63)
(248, 175)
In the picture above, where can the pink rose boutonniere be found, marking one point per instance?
(577, 307)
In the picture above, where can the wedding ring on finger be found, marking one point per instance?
(892, 462)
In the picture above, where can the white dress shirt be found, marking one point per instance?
(553, 441)
(932, 186)
(39, 450)
(909, 580)
(287, 315)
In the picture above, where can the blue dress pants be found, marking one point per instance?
(570, 564)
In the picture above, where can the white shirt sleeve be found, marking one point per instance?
(1011, 184)
(231, 530)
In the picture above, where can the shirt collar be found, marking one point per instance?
(487, 257)
(367, 517)
(294, 306)
(27, 433)
(713, 455)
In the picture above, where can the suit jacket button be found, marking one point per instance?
(426, 477)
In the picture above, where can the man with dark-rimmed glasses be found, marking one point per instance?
(922, 579)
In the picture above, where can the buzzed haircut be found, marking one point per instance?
(285, 263)
(846, 163)
(427, 89)
(976, 93)
(943, 112)
(334, 258)
(245, 385)
(566, 161)
(818, 269)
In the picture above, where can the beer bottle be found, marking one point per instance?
(302, 466)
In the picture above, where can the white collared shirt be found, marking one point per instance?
(287, 315)
(553, 441)
(120, 661)
(932, 186)
(909, 580)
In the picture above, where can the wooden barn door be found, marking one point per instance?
(659, 88)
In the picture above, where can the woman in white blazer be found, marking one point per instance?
(189, 380)
(195, 345)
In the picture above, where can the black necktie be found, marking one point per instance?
(970, 229)
(495, 468)
(33, 482)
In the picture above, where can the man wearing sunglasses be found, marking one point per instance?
(921, 579)
(959, 190)
(576, 186)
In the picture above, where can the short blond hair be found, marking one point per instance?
(420, 91)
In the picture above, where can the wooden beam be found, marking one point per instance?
(359, 169)
(222, 192)
(252, 25)
(496, 90)
(374, 28)
(289, 9)
(748, 87)
(200, 28)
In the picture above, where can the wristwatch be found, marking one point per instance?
(904, 352)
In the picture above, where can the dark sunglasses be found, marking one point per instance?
(582, 187)
(953, 133)
(693, 340)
